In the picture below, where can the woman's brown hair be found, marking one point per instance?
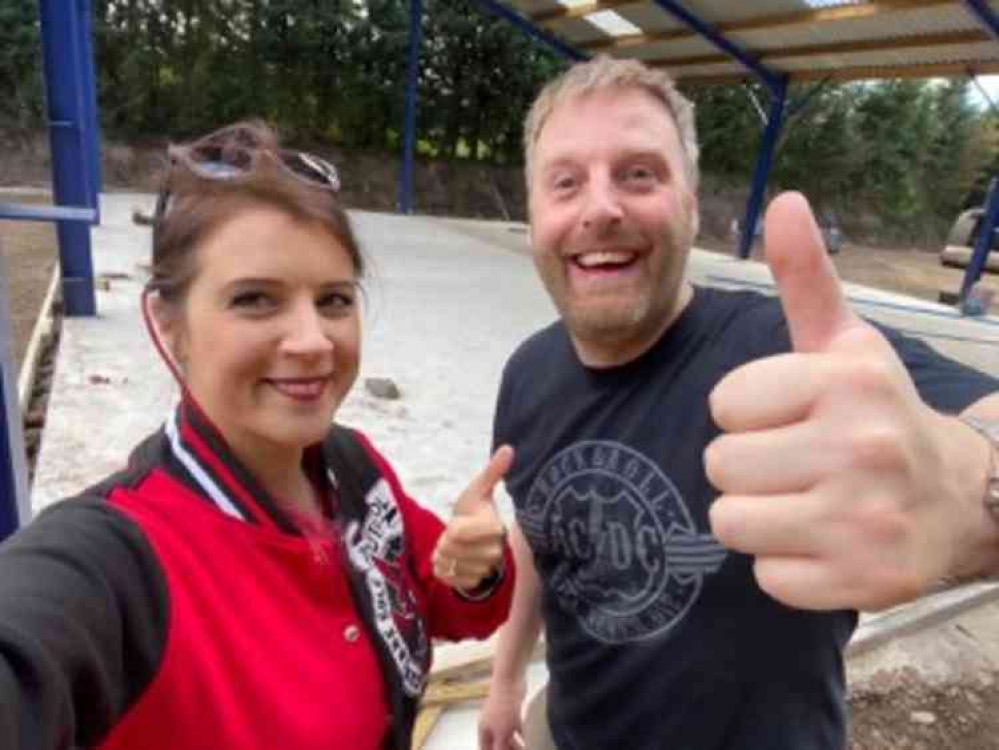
(191, 205)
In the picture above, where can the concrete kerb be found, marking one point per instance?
(41, 329)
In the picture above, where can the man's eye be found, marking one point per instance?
(639, 173)
(564, 182)
(252, 300)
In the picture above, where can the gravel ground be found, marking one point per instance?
(30, 255)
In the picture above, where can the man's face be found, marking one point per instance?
(613, 217)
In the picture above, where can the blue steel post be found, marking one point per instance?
(13, 470)
(983, 245)
(778, 91)
(775, 121)
(66, 120)
(412, 95)
(93, 124)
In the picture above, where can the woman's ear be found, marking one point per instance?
(165, 326)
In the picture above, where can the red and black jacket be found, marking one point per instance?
(176, 606)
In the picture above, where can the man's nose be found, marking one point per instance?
(602, 209)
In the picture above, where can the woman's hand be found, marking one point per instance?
(470, 550)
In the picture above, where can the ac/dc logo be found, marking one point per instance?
(616, 541)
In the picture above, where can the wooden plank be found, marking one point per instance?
(927, 41)
(470, 659)
(782, 20)
(446, 693)
(580, 11)
(862, 73)
(426, 720)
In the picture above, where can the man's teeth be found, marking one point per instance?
(603, 258)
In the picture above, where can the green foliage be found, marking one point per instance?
(21, 98)
(333, 72)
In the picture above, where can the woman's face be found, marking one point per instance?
(269, 334)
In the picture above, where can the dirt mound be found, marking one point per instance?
(907, 714)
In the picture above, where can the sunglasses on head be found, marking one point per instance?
(217, 161)
(231, 155)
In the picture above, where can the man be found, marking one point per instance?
(707, 486)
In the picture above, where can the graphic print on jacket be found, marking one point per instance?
(376, 548)
(631, 561)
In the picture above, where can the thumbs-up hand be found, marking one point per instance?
(849, 490)
(471, 548)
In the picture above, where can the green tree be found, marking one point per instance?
(21, 91)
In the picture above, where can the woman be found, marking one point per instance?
(254, 578)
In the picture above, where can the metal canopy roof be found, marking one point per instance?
(803, 39)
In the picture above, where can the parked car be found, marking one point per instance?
(962, 239)
(832, 236)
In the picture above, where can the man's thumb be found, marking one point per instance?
(810, 291)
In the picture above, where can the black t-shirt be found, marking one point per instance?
(658, 638)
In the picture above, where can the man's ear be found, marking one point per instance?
(694, 211)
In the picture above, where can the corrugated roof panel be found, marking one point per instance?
(717, 11)
(681, 49)
(577, 31)
(674, 48)
(531, 7)
(912, 36)
(650, 17)
(908, 24)
(958, 53)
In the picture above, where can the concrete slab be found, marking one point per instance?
(447, 301)
(442, 313)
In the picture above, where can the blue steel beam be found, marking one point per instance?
(776, 82)
(985, 15)
(14, 506)
(532, 30)
(990, 218)
(983, 245)
(412, 95)
(763, 164)
(62, 49)
(47, 213)
(770, 77)
(92, 128)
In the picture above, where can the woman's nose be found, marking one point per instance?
(307, 334)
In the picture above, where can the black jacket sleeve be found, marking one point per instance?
(83, 618)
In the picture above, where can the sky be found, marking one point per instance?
(991, 86)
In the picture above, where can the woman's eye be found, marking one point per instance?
(252, 300)
(336, 301)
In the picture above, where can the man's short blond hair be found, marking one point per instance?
(603, 73)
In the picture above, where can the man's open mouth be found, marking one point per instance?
(604, 260)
